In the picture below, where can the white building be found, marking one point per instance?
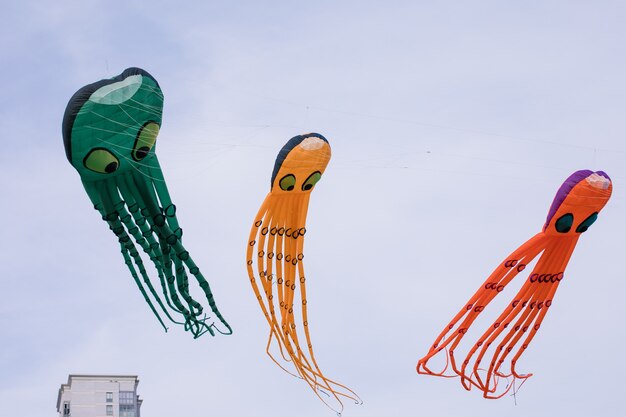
(99, 396)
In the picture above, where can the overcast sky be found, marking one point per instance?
(452, 125)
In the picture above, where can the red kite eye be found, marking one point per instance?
(564, 223)
(582, 227)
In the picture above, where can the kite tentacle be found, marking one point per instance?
(156, 220)
(143, 236)
(533, 309)
(147, 207)
(317, 379)
(555, 280)
(136, 209)
(302, 280)
(276, 244)
(196, 325)
(523, 297)
(501, 323)
(167, 223)
(278, 230)
(262, 228)
(496, 282)
(521, 309)
(111, 216)
(265, 229)
(269, 249)
(128, 261)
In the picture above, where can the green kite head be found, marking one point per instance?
(110, 126)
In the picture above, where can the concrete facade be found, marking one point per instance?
(99, 396)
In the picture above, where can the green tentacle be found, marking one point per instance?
(152, 212)
(105, 206)
(126, 219)
(153, 249)
(156, 173)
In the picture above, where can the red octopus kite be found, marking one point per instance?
(574, 209)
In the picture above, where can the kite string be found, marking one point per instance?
(414, 122)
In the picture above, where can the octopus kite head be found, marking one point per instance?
(300, 164)
(577, 203)
(111, 126)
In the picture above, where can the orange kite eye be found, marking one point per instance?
(311, 181)
(287, 182)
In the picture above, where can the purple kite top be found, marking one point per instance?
(567, 186)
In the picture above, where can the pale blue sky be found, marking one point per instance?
(452, 125)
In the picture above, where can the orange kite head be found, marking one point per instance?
(300, 164)
(577, 203)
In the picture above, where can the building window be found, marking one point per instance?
(109, 410)
(127, 410)
(109, 397)
(66, 408)
(127, 397)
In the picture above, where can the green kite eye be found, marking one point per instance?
(287, 182)
(582, 227)
(311, 181)
(146, 139)
(101, 160)
(564, 223)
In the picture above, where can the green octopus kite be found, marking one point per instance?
(109, 131)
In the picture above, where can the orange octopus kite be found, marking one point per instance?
(276, 244)
(573, 210)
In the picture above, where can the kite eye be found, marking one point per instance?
(101, 160)
(564, 223)
(287, 182)
(311, 181)
(145, 140)
(582, 227)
